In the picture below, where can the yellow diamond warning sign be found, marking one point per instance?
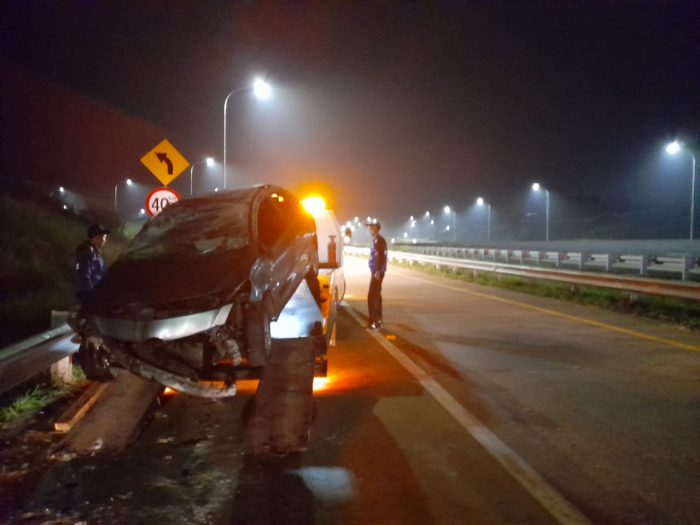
(165, 162)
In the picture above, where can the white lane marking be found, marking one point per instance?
(556, 504)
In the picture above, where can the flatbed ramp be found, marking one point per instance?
(115, 419)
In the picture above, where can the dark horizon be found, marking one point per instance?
(396, 108)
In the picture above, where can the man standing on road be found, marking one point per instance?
(377, 265)
(89, 264)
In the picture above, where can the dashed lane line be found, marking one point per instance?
(556, 504)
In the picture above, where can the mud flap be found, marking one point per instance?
(280, 420)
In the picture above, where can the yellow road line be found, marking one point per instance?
(554, 313)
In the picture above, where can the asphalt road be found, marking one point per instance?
(474, 405)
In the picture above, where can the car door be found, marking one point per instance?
(281, 231)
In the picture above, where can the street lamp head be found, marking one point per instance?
(61, 189)
(447, 209)
(210, 161)
(673, 148)
(427, 214)
(480, 201)
(536, 186)
(129, 182)
(262, 89)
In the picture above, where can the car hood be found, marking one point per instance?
(176, 282)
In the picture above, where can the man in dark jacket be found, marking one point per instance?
(377, 265)
(89, 264)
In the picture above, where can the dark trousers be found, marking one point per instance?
(374, 299)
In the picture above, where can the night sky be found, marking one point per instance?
(399, 107)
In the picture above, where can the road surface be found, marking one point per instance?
(474, 405)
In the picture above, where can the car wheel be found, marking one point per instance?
(93, 359)
(258, 335)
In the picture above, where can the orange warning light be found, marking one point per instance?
(169, 391)
(314, 205)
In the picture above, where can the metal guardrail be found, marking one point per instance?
(29, 357)
(684, 289)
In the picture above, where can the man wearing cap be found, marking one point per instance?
(377, 265)
(89, 265)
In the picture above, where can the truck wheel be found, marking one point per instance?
(93, 359)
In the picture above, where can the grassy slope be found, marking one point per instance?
(36, 265)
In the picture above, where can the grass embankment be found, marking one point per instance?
(37, 264)
(676, 311)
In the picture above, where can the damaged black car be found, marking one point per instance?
(190, 301)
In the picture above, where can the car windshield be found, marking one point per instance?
(196, 227)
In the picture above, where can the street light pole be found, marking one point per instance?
(481, 202)
(449, 210)
(128, 183)
(673, 148)
(262, 91)
(537, 187)
(208, 160)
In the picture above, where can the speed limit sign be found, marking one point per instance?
(159, 199)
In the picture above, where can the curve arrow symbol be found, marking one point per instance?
(163, 157)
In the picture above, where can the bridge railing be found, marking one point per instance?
(657, 275)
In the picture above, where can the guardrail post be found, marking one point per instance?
(686, 266)
(644, 262)
(61, 371)
(560, 258)
(585, 257)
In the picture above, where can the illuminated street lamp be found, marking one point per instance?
(536, 187)
(672, 149)
(128, 183)
(447, 211)
(481, 202)
(262, 91)
(210, 163)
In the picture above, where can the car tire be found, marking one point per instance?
(259, 336)
(93, 359)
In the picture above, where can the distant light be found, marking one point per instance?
(448, 228)
(536, 186)
(411, 218)
(129, 182)
(374, 221)
(65, 207)
(262, 89)
(369, 219)
(427, 214)
(480, 201)
(314, 204)
(216, 189)
(352, 228)
(393, 240)
(414, 241)
(61, 189)
(432, 221)
(348, 224)
(210, 161)
(357, 219)
(405, 235)
(447, 209)
(413, 224)
(142, 212)
(673, 148)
